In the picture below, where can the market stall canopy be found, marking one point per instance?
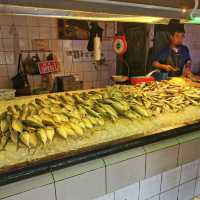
(149, 11)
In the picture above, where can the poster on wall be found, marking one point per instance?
(40, 44)
(73, 29)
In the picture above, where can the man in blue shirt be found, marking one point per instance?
(175, 59)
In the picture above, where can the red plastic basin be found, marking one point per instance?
(141, 79)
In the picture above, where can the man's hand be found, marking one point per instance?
(168, 68)
(164, 67)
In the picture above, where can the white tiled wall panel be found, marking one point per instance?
(154, 198)
(156, 162)
(192, 41)
(128, 193)
(186, 191)
(169, 195)
(150, 187)
(28, 184)
(189, 171)
(42, 193)
(85, 187)
(125, 173)
(18, 32)
(197, 188)
(90, 184)
(106, 197)
(170, 179)
(189, 151)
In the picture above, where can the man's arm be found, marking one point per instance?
(164, 67)
(160, 58)
(188, 73)
(187, 69)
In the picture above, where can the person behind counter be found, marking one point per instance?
(174, 60)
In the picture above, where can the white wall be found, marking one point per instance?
(17, 33)
(192, 40)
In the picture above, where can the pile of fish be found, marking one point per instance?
(162, 97)
(73, 115)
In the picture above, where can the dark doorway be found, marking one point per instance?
(161, 41)
(136, 35)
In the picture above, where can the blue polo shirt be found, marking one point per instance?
(162, 57)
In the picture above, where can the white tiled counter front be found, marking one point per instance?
(42, 193)
(39, 187)
(165, 170)
(124, 168)
(85, 181)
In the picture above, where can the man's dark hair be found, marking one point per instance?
(175, 26)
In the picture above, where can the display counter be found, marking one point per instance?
(137, 171)
(94, 124)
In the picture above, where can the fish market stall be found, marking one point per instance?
(58, 130)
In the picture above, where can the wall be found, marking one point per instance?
(17, 33)
(192, 40)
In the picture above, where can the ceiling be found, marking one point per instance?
(189, 4)
(150, 11)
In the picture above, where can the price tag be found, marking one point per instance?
(46, 67)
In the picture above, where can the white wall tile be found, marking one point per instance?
(170, 179)
(87, 66)
(45, 33)
(45, 192)
(6, 32)
(26, 29)
(54, 22)
(76, 45)
(44, 22)
(54, 33)
(169, 195)
(20, 20)
(68, 62)
(189, 171)
(67, 45)
(4, 82)
(186, 191)
(33, 32)
(3, 70)
(87, 85)
(157, 163)
(6, 20)
(10, 58)
(90, 76)
(22, 31)
(197, 188)
(86, 186)
(32, 21)
(1, 45)
(26, 185)
(24, 44)
(106, 197)
(154, 198)
(12, 70)
(128, 193)
(150, 187)
(105, 75)
(2, 58)
(125, 173)
(199, 169)
(8, 44)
